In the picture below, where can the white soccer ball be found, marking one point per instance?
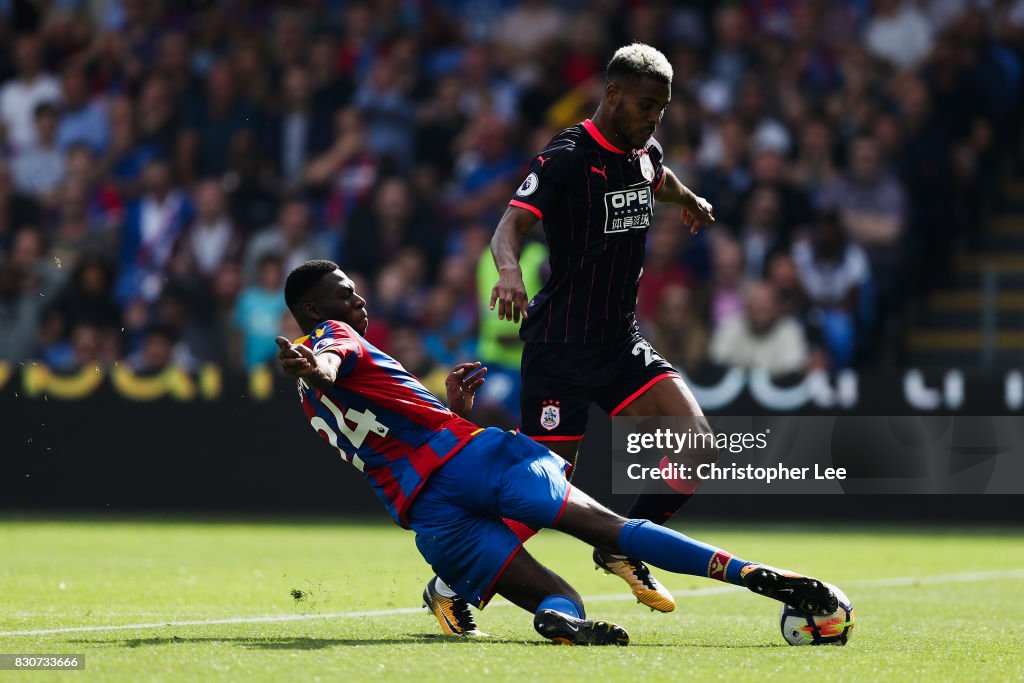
(801, 628)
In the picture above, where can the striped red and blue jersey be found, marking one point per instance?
(596, 203)
(381, 418)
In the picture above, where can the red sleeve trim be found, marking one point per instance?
(662, 181)
(532, 209)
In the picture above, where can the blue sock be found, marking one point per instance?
(563, 604)
(676, 552)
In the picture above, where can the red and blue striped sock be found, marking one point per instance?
(668, 549)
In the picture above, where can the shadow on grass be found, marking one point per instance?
(734, 646)
(284, 643)
(291, 643)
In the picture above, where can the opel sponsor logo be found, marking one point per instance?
(623, 199)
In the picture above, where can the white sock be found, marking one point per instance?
(442, 588)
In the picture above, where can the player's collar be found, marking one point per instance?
(601, 139)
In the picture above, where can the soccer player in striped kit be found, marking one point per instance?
(594, 188)
(456, 484)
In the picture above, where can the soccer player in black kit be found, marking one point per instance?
(594, 187)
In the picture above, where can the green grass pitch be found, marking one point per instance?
(930, 604)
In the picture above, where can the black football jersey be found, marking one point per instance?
(597, 204)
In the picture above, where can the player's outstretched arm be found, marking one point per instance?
(298, 361)
(697, 211)
(510, 291)
(461, 386)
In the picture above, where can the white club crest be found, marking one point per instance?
(646, 167)
(550, 416)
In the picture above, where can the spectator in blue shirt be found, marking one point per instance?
(83, 118)
(259, 311)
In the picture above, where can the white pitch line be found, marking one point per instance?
(964, 577)
(235, 620)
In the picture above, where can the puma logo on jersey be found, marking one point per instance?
(600, 171)
(542, 160)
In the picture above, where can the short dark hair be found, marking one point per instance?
(304, 278)
(637, 60)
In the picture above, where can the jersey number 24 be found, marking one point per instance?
(364, 420)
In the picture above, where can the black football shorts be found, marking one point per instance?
(561, 380)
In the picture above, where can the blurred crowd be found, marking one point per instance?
(164, 164)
